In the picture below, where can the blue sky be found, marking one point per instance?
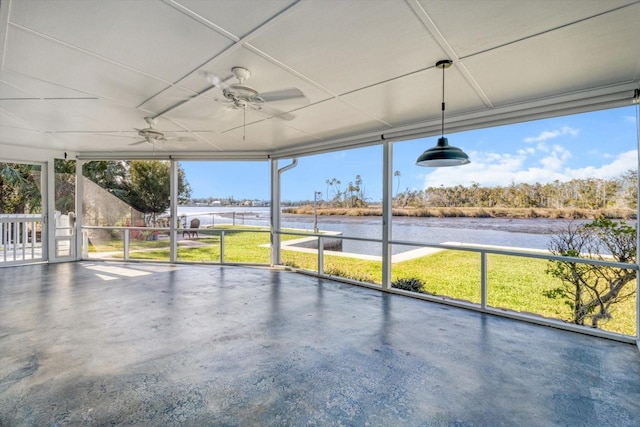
(600, 144)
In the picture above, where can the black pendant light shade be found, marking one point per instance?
(443, 154)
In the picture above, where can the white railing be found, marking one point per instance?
(132, 238)
(483, 305)
(126, 236)
(20, 239)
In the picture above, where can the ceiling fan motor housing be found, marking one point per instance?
(150, 133)
(241, 94)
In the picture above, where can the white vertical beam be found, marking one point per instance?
(276, 177)
(387, 213)
(636, 101)
(79, 208)
(275, 213)
(51, 207)
(483, 280)
(173, 207)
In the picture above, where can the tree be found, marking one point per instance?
(397, 175)
(589, 290)
(629, 187)
(65, 185)
(149, 187)
(335, 185)
(20, 188)
(111, 175)
(143, 184)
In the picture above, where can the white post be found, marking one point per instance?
(276, 175)
(125, 245)
(81, 250)
(315, 211)
(483, 280)
(173, 209)
(275, 213)
(50, 213)
(320, 255)
(387, 213)
(221, 246)
(637, 101)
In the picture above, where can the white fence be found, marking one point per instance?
(20, 238)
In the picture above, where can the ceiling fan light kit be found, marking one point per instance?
(239, 96)
(443, 154)
(152, 135)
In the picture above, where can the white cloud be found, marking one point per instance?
(551, 134)
(620, 164)
(525, 151)
(552, 163)
(493, 169)
(556, 159)
(630, 119)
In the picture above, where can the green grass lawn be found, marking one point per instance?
(514, 283)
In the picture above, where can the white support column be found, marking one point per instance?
(79, 240)
(276, 176)
(51, 209)
(173, 209)
(275, 213)
(638, 216)
(483, 280)
(387, 213)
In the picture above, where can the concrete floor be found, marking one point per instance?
(148, 344)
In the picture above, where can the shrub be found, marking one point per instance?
(412, 284)
(360, 277)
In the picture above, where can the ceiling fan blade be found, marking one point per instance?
(215, 80)
(179, 139)
(271, 112)
(107, 134)
(142, 141)
(282, 95)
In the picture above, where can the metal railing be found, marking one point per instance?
(221, 218)
(484, 305)
(320, 253)
(20, 239)
(131, 235)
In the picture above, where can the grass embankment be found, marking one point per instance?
(442, 212)
(514, 283)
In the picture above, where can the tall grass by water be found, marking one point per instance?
(470, 212)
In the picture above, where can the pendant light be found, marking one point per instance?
(443, 154)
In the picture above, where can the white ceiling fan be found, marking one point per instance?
(152, 136)
(240, 96)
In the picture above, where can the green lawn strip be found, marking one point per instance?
(455, 274)
(514, 283)
(98, 245)
(519, 283)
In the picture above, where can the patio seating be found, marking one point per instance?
(192, 230)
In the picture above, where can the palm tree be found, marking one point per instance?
(20, 188)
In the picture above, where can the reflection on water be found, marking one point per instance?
(520, 233)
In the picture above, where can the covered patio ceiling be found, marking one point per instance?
(80, 76)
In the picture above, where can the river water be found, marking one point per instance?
(534, 233)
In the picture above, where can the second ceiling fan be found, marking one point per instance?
(240, 96)
(152, 135)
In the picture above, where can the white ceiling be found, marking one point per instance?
(79, 76)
